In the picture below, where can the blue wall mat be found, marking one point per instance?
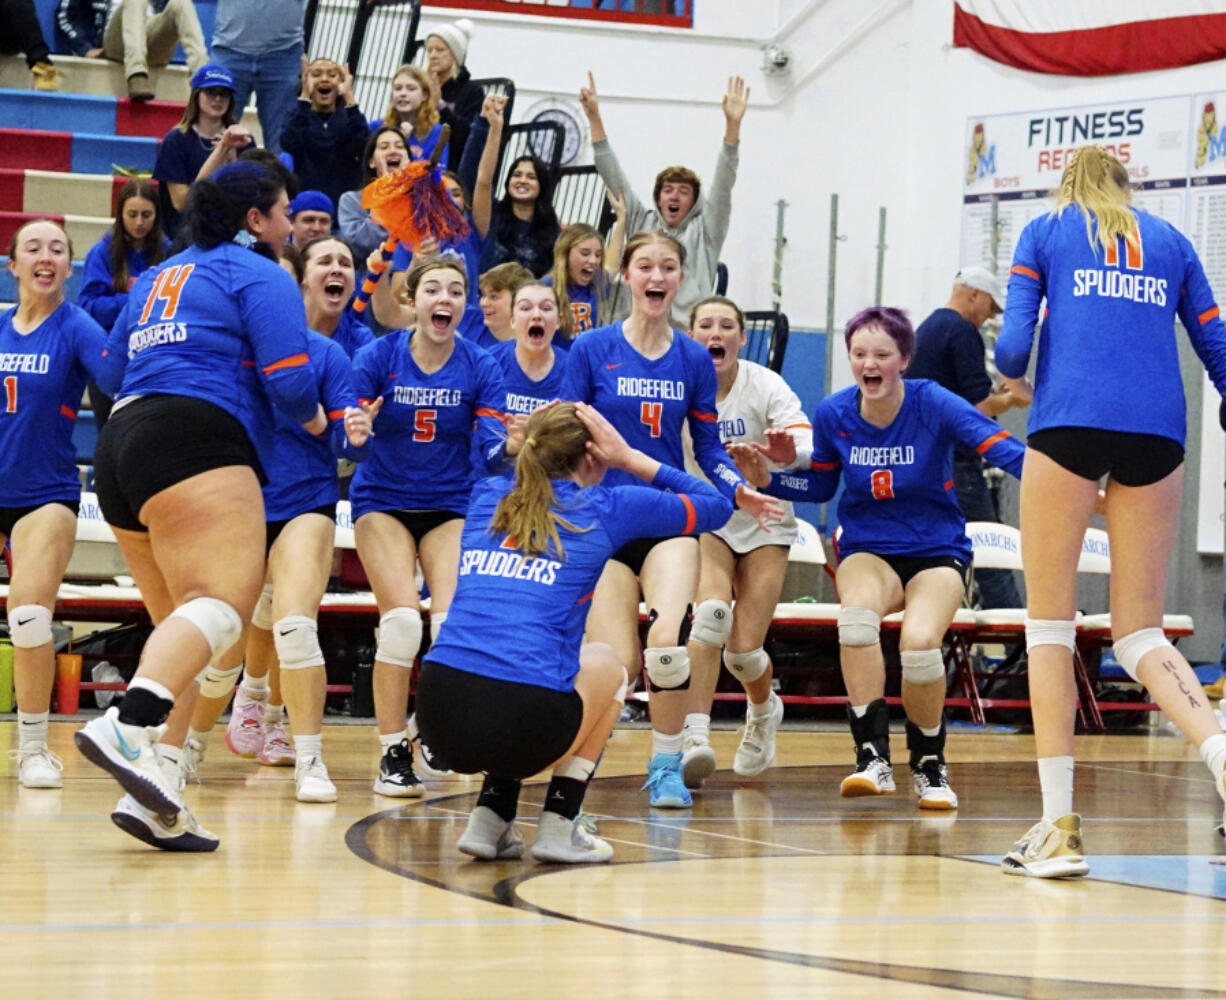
(72, 288)
(100, 154)
(59, 112)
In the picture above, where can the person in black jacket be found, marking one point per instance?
(327, 131)
(455, 95)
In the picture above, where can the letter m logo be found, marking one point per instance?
(987, 163)
(1217, 145)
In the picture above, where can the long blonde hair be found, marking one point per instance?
(427, 113)
(570, 237)
(554, 445)
(1097, 183)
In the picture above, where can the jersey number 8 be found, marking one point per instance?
(883, 484)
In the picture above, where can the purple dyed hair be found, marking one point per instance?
(892, 321)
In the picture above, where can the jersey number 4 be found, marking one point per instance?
(650, 414)
(168, 287)
(883, 484)
(423, 425)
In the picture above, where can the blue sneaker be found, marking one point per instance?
(665, 780)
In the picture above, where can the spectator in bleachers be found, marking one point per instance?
(678, 208)
(386, 151)
(138, 33)
(452, 91)
(582, 276)
(412, 108)
(20, 32)
(134, 244)
(311, 214)
(327, 131)
(261, 45)
(521, 225)
(206, 139)
(498, 287)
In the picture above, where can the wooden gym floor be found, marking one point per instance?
(771, 887)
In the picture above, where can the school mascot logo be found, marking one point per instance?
(981, 158)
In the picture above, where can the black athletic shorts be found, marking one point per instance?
(9, 516)
(634, 553)
(1129, 459)
(154, 442)
(480, 724)
(907, 567)
(419, 523)
(273, 529)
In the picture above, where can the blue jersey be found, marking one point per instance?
(419, 459)
(98, 296)
(352, 334)
(523, 395)
(1109, 332)
(649, 401)
(43, 374)
(225, 325)
(520, 618)
(302, 473)
(898, 497)
(584, 305)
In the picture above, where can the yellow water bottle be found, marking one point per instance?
(6, 676)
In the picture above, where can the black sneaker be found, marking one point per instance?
(396, 777)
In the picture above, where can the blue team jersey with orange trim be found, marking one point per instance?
(648, 401)
(352, 334)
(225, 325)
(420, 456)
(523, 395)
(521, 619)
(42, 376)
(1107, 352)
(898, 497)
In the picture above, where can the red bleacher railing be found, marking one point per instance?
(663, 13)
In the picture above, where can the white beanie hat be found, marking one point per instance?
(455, 36)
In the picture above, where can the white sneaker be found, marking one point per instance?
(193, 755)
(129, 754)
(173, 772)
(930, 779)
(184, 834)
(560, 841)
(872, 776)
(697, 758)
(757, 750)
(1049, 850)
(311, 781)
(37, 766)
(488, 837)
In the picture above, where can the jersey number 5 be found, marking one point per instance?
(423, 425)
(168, 286)
(650, 414)
(883, 484)
(10, 394)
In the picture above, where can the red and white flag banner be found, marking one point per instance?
(1092, 37)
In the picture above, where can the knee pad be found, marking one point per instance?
(217, 683)
(619, 695)
(922, 666)
(297, 640)
(399, 637)
(29, 626)
(219, 623)
(436, 622)
(712, 623)
(1133, 646)
(747, 666)
(668, 667)
(262, 616)
(859, 627)
(1051, 632)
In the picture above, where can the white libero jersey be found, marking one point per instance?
(759, 399)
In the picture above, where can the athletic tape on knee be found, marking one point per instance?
(712, 623)
(922, 666)
(749, 666)
(667, 667)
(297, 640)
(1130, 649)
(219, 623)
(1050, 632)
(436, 622)
(262, 616)
(29, 626)
(218, 683)
(859, 627)
(619, 695)
(399, 637)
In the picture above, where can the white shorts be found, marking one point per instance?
(742, 534)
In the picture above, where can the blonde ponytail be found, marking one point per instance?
(1097, 183)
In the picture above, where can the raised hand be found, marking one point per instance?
(359, 421)
(345, 91)
(617, 202)
(607, 444)
(491, 110)
(736, 99)
(750, 462)
(587, 97)
(517, 433)
(780, 447)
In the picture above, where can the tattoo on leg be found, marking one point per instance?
(1171, 669)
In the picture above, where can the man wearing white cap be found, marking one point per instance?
(949, 350)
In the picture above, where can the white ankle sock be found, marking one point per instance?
(170, 752)
(665, 742)
(387, 740)
(1213, 753)
(760, 711)
(1056, 781)
(699, 722)
(256, 688)
(934, 731)
(273, 713)
(201, 736)
(860, 711)
(309, 746)
(32, 727)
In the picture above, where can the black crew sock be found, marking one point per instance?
(141, 707)
(873, 728)
(565, 796)
(500, 795)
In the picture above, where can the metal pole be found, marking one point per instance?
(830, 273)
(781, 241)
(880, 253)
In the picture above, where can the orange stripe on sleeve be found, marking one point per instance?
(586, 597)
(484, 412)
(1208, 314)
(1019, 269)
(69, 412)
(293, 361)
(691, 515)
(699, 415)
(824, 466)
(987, 443)
(798, 427)
(335, 414)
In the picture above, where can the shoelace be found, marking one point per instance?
(400, 761)
(21, 754)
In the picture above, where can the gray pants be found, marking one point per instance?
(140, 40)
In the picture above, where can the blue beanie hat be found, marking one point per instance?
(312, 201)
(212, 75)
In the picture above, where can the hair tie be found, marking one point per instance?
(531, 441)
(244, 239)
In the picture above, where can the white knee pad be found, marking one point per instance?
(217, 683)
(747, 666)
(297, 640)
(1050, 632)
(712, 623)
(219, 623)
(1133, 646)
(619, 695)
(859, 627)
(922, 666)
(262, 616)
(29, 626)
(436, 622)
(399, 637)
(667, 666)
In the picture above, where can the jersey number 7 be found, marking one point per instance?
(650, 414)
(167, 286)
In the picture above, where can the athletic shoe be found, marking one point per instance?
(489, 837)
(665, 782)
(872, 776)
(184, 834)
(428, 763)
(396, 778)
(44, 76)
(311, 781)
(277, 750)
(931, 782)
(560, 841)
(697, 758)
(139, 89)
(173, 772)
(193, 754)
(38, 767)
(1049, 850)
(757, 750)
(130, 754)
(245, 730)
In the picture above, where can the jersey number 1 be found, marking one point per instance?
(650, 414)
(883, 484)
(10, 394)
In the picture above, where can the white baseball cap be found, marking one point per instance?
(983, 280)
